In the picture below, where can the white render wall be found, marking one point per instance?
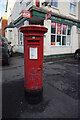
(74, 39)
(16, 9)
(7, 33)
(47, 39)
(62, 9)
(9, 9)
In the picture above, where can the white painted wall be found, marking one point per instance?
(47, 39)
(74, 39)
(9, 9)
(79, 40)
(62, 9)
(16, 9)
(79, 10)
(7, 33)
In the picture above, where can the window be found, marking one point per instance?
(64, 40)
(58, 40)
(53, 31)
(10, 36)
(73, 6)
(20, 38)
(20, 34)
(60, 34)
(68, 38)
(53, 3)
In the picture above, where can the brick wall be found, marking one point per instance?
(4, 24)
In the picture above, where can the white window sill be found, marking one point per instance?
(72, 14)
(56, 8)
(60, 45)
(20, 45)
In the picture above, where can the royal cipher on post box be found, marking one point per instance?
(33, 57)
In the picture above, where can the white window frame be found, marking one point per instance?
(62, 35)
(73, 3)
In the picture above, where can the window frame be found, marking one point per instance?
(20, 38)
(62, 35)
(73, 3)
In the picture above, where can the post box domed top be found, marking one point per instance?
(33, 28)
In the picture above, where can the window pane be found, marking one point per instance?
(58, 40)
(53, 24)
(68, 40)
(53, 30)
(54, 3)
(64, 31)
(21, 38)
(53, 27)
(69, 30)
(52, 39)
(72, 8)
(49, 2)
(64, 40)
(73, 2)
(58, 29)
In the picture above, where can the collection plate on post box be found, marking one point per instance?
(33, 53)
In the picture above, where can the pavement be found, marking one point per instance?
(61, 97)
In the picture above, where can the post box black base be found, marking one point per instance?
(33, 96)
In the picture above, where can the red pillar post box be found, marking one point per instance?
(33, 57)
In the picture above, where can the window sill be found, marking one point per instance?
(60, 45)
(20, 45)
(55, 8)
(72, 14)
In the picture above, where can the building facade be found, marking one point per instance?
(62, 37)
